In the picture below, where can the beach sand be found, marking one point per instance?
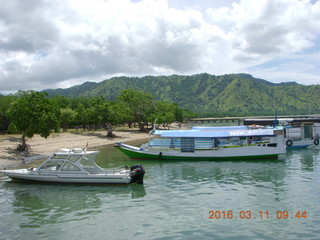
(41, 147)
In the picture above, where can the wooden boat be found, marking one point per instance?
(201, 144)
(294, 137)
(302, 136)
(76, 166)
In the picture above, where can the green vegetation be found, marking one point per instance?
(209, 95)
(160, 100)
(33, 112)
(5, 102)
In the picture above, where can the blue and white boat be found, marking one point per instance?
(208, 144)
(301, 136)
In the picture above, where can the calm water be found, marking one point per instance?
(174, 203)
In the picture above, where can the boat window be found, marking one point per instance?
(52, 165)
(308, 131)
(74, 158)
(70, 167)
(187, 144)
(172, 143)
(86, 162)
(205, 143)
(272, 145)
(58, 156)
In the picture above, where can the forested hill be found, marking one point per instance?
(209, 95)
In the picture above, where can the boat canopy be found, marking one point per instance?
(219, 128)
(74, 151)
(215, 133)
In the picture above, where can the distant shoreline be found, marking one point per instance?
(41, 147)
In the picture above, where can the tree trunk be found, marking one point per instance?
(23, 145)
(110, 129)
(142, 127)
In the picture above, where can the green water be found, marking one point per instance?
(255, 200)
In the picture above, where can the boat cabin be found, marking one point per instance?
(71, 160)
(203, 139)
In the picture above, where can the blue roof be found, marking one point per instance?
(215, 133)
(220, 128)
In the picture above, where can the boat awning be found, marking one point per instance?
(219, 128)
(215, 133)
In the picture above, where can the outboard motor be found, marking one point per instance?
(137, 173)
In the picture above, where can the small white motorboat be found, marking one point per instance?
(77, 166)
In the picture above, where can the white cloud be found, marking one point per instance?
(270, 28)
(304, 69)
(47, 44)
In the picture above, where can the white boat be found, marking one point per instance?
(202, 144)
(76, 166)
(301, 137)
(298, 133)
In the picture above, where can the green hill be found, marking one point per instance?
(209, 95)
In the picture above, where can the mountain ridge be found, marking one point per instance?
(206, 94)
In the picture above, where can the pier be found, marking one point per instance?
(261, 120)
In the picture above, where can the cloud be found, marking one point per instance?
(263, 31)
(24, 27)
(270, 28)
(47, 44)
(304, 68)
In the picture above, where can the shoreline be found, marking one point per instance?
(43, 147)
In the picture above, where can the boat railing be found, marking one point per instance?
(24, 170)
(118, 170)
(169, 144)
(316, 131)
(73, 150)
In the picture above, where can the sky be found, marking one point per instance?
(60, 43)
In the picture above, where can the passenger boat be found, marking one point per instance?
(298, 133)
(294, 137)
(76, 166)
(201, 144)
(302, 136)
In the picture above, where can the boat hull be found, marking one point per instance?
(33, 176)
(236, 153)
(301, 143)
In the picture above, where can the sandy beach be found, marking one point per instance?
(41, 146)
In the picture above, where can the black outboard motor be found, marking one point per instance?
(137, 174)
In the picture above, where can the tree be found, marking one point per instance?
(108, 114)
(164, 113)
(116, 115)
(139, 105)
(67, 118)
(5, 102)
(32, 114)
(83, 116)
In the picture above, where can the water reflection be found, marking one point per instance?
(47, 204)
(180, 194)
(306, 158)
(241, 172)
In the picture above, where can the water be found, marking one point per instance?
(252, 198)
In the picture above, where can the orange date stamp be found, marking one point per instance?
(215, 215)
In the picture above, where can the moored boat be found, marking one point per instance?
(203, 144)
(301, 136)
(298, 133)
(76, 166)
(294, 137)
